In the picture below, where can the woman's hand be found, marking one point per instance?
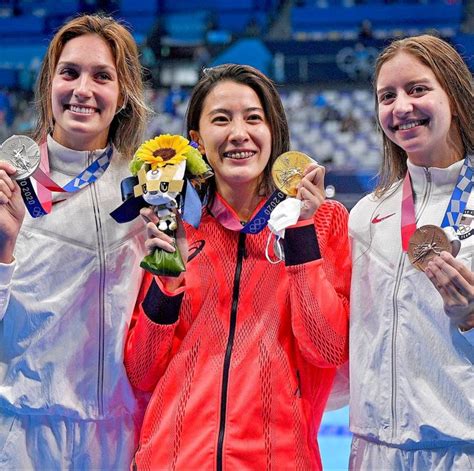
(311, 190)
(12, 212)
(157, 239)
(455, 283)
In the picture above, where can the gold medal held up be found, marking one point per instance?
(426, 243)
(288, 170)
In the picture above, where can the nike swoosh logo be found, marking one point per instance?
(377, 219)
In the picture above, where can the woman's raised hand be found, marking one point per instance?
(311, 190)
(455, 283)
(157, 239)
(12, 212)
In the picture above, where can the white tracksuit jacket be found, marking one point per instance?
(411, 370)
(65, 304)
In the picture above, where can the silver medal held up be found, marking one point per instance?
(23, 153)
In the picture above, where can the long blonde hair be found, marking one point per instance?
(456, 80)
(128, 126)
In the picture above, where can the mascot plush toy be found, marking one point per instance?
(162, 166)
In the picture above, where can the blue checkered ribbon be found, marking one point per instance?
(260, 220)
(460, 195)
(91, 174)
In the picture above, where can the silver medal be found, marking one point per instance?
(23, 153)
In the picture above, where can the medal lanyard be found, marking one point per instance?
(41, 204)
(454, 210)
(258, 222)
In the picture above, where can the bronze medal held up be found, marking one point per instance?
(426, 243)
(288, 170)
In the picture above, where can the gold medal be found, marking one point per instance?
(426, 243)
(288, 170)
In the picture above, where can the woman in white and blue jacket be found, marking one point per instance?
(69, 279)
(412, 331)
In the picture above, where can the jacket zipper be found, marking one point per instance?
(297, 392)
(101, 254)
(401, 265)
(228, 351)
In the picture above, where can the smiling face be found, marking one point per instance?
(85, 93)
(235, 137)
(414, 111)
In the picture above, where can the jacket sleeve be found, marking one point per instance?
(339, 395)
(6, 274)
(149, 344)
(317, 257)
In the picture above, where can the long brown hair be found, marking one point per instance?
(456, 80)
(127, 128)
(271, 103)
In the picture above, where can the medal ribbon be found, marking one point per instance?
(41, 205)
(131, 205)
(454, 211)
(460, 196)
(257, 223)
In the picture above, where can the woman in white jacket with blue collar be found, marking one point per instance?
(412, 296)
(69, 279)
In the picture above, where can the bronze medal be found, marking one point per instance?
(288, 170)
(426, 243)
(23, 153)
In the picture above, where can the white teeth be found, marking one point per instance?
(238, 155)
(81, 109)
(411, 124)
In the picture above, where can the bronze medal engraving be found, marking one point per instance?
(426, 243)
(23, 153)
(288, 170)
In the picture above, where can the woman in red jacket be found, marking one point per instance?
(239, 353)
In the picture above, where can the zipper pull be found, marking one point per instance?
(427, 174)
(297, 392)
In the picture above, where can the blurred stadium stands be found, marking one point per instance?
(343, 19)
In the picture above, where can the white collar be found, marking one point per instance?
(442, 179)
(68, 161)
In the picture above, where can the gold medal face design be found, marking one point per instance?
(288, 170)
(426, 243)
(23, 153)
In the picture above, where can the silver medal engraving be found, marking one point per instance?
(23, 153)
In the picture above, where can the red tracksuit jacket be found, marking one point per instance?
(241, 358)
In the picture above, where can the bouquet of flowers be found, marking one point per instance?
(162, 165)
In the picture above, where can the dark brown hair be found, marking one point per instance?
(271, 103)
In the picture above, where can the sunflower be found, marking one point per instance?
(163, 150)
